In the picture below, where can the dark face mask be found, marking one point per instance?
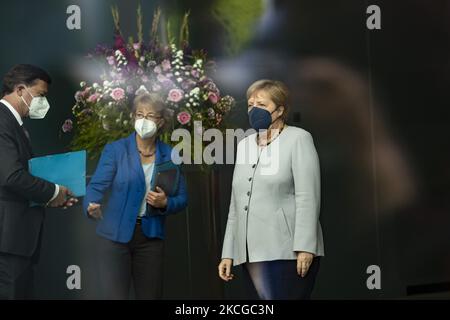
(260, 119)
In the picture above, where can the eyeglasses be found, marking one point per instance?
(149, 116)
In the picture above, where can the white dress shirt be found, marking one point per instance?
(20, 121)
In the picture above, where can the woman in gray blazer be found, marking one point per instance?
(273, 227)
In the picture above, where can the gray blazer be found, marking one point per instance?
(275, 200)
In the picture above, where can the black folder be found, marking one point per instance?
(167, 176)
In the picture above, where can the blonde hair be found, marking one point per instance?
(277, 91)
(157, 103)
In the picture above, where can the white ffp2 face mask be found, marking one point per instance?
(38, 107)
(145, 128)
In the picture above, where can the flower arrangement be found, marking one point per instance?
(177, 73)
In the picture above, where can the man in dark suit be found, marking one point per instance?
(24, 91)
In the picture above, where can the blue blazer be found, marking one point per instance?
(120, 171)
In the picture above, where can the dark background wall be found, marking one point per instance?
(375, 102)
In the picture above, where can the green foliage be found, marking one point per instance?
(238, 18)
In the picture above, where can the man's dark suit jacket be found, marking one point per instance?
(20, 224)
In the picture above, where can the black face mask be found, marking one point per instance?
(261, 119)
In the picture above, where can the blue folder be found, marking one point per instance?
(65, 169)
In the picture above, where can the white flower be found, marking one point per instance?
(141, 90)
(177, 73)
(118, 53)
(191, 100)
(82, 84)
(195, 91)
(95, 85)
(106, 83)
(179, 79)
(125, 122)
(186, 73)
(188, 104)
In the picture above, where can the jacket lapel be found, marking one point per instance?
(20, 130)
(134, 159)
(161, 154)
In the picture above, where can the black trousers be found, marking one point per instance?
(139, 262)
(17, 274)
(278, 279)
(16, 277)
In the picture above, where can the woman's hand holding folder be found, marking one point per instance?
(157, 199)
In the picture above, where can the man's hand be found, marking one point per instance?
(157, 199)
(64, 199)
(95, 211)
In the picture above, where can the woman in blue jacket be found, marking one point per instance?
(131, 227)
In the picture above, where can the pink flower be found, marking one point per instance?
(144, 78)
(157, 69)
(184, 117)
(118, 94)
(136, 46)
(195, 73)
(67, 126)
(110, 59)
(175, 95)
(93, 97)
(165, 65)
(213, 97)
